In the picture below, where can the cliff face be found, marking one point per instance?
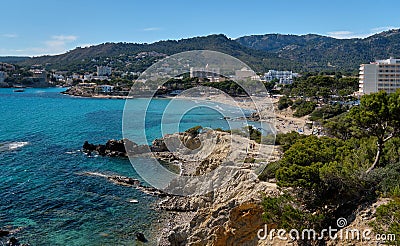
(230, 214)
(233, 217)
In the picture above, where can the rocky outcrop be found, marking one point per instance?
(80, 92)
(105, 150)
(255, 116)
(158, 145)
(4, 233)
(124, 180)
(361, 220)
(231, 215)
(114, 148)
(140, 237)
(185, 204)
(127, 181)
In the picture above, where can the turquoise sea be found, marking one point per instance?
(44, 199)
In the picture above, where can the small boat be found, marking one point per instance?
(19, 90)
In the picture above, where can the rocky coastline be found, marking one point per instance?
(10, 240)
(229, 215)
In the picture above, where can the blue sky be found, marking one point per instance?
(52, 27)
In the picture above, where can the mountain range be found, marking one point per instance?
(300, 53)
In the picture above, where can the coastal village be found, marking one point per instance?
(107, 81)
(200, 123)
(304, 106)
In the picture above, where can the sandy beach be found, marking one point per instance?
(283, 120)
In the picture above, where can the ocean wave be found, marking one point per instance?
(74, 152)
(9, 146)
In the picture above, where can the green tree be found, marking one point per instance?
(270, 86)
(284, 102)
(378, 116)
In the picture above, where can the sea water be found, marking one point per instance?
(45, 199)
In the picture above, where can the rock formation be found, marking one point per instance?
(231, 215)
(114, 148)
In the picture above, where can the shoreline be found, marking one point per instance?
(282, 120)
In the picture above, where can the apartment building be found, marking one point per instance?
(284, 77)
(379, 75)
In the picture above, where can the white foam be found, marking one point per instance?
(16, 145)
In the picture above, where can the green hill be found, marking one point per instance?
(13, 59)
(301, 53)
(81, 57)
(320, 53)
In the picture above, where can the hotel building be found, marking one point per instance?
(380, 75)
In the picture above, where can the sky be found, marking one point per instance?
(43, 27)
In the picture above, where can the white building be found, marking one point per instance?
(284, 77)
(103, 70)
(58, 77)
(105, 88)
(101, 78)
(379, 75)
(213, 74)
(76, 76)
(245, 73)
(87, 77)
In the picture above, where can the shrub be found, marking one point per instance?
(327, 112)
(270, 171)
(194, 131)
(388, 220)
(284, 102)
(249, 160)
(303, 108)
(284, 211)
(285, 140)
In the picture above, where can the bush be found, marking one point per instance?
(194, 131)
(249, 160)
(304, 108)
(284, 211)
(270, 171)
(327, 112)
(222, 130)
(388, 220)
(269, 139)
(254, 134)
(285, 140)
(284, 102)
(389, 179)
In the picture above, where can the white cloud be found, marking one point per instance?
(65, 38)
(150, 29)
(382, 29)
(10, 35)
(349, 34)
(57, 44)
(341, 34)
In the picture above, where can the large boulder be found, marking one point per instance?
(88, 147)
(140, 237)
(158, 145)
(13, 242)
(112, 148)
(4, 233)
(115, 145)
